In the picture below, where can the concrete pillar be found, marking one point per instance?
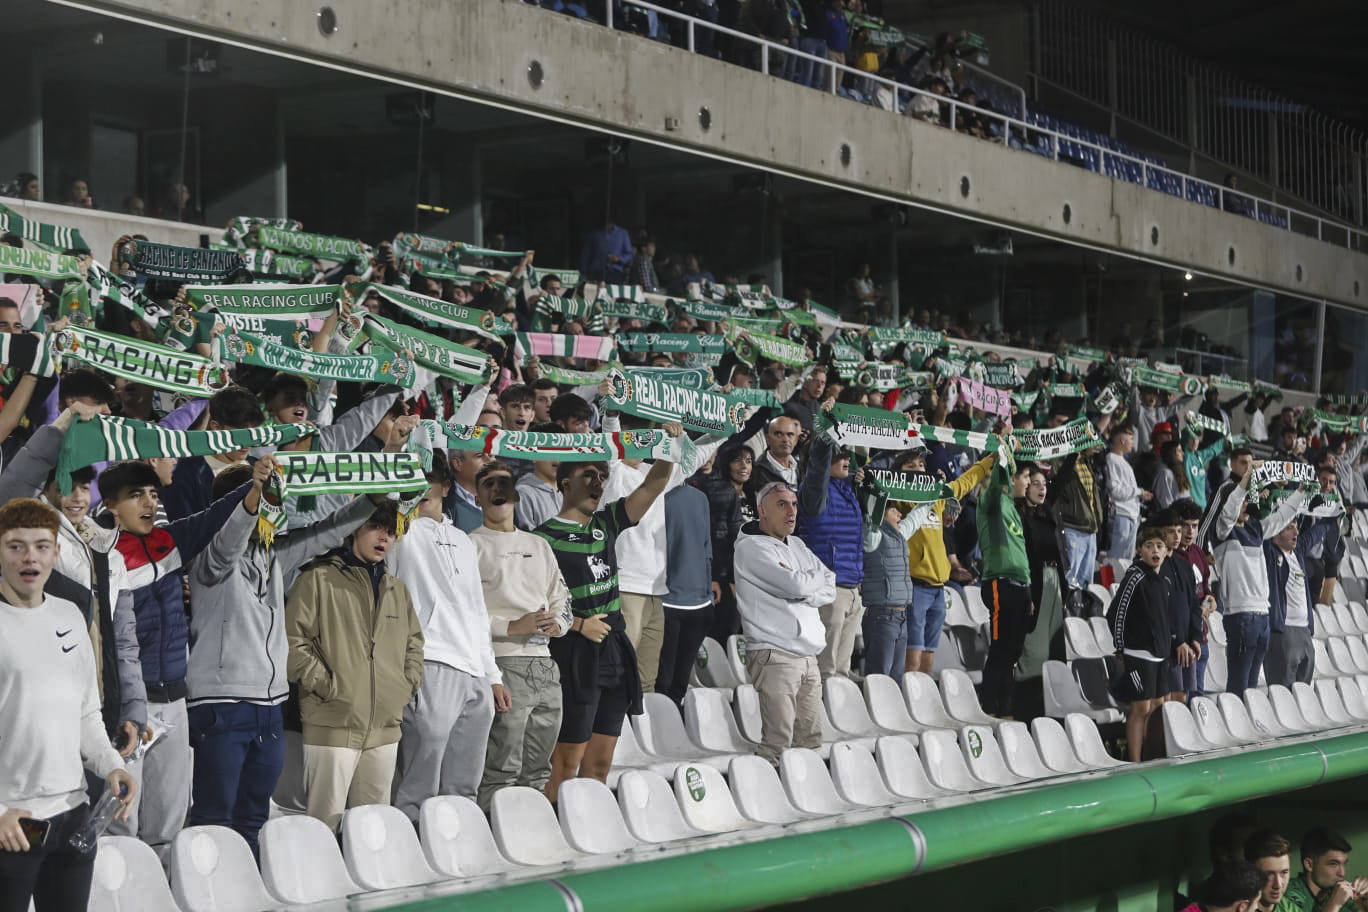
(280, 184)
(774, 256)
(891, 283)
(463, 193)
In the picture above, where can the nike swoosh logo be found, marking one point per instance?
(69, 648)
(62, 633)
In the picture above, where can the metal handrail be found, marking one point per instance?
(1223, 194)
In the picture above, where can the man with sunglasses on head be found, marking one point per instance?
(600, 683)
(780, 587)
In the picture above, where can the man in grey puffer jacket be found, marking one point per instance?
(236, 676)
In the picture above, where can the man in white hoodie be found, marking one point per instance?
(445, 728)
(780, 584)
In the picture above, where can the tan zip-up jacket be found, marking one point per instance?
(358, 660)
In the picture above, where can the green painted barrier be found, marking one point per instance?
(799, 866)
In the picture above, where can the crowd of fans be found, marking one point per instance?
(507, 634)
(172, 201)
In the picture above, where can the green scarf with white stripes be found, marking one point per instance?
(304, 474)
(39, 263)
(300, 243)
(245, 348)
(53, 238)
(142, 362)
(108, 439)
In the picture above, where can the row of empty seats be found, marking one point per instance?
(1227, 721)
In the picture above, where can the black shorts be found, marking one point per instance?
(603, 713)
(1140, 679)
(1173, 676)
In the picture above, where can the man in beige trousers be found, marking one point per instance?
(780, 585)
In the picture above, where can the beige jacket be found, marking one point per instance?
(357, 660)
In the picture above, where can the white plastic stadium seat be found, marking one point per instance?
(1340, 656)
(590, 819)
(1087, 742)
(857, 777)
(1347, 622)
(1358, 651)
(629, 755)
(1328, 693)
(961, 702)
(903, 770)
(1063, 695)
(1102, 593)
(1321, 626)
(1238, 722)
(660, 732)
(1353, 700)
(1327, 622)
(525, 828)
(1055, 750)
(887, 708)
(1180, 732)
(945, 764)
(1360, 615)
(705, 801)
(713, 668)
(1211, 724)
(1079, 640)
(649, 807)
(984, 757)
(1103, 635)
(736, 657)
(1261, 714)
(456, 838)
(808, 783)
(1217, 671)
(1324, 667)
(1286, 710)
(129, 878)
(748, 712)
(382, 849)
(1216, 629)
(1309, 705)
(847, 710)
(924, 701)
(212, 870)
(759, 794)
(709, 722)
(1019, 750)
(300, 860)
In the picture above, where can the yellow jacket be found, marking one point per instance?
(926, 558)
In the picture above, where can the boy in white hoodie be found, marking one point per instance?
(780, 584)
(445, 728)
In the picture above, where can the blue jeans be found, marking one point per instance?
(1080, 557)
(1194, 676)
(810, 72)
(239, 753)
(1123, 529)
(1246, 643)
(926, 616)
(885, 641)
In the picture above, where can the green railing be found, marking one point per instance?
(808, 864)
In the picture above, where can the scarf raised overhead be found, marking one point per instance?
(645, 396)
(142, 362)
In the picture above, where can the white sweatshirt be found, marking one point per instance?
(641, 549)
(519, 573)
(1122, 487)
(439, 565)
(50, 710)
(779, 586)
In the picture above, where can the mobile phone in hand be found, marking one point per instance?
(35, 831)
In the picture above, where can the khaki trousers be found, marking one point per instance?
(790, 692)
(337, 778)
(645, 620)
(842, 621)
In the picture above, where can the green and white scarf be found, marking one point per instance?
(542, 447)
(754, 344)
(142, 362)
(110, 288)
(589, 312)
(450, 359)
(433, 310)
(303, 474)
(39, 263)
(240, 226)
(557, 345)
(27, 353)
(858, 426)
(1090, 355)
(645, 310)
(300, 243)
(757, 398)
(569, 376)
(909, 487)
(1003, 374)
(269, 263)
(53, 238)
(278, 313)
(699, 410)
(245, 348)
(670, 343)
(1038, 445)
(703, 309)
(1201, 423)
(1340, 424)
(1358, 400)
(893, 335)
(108, 439)
(692, 378)
(1186, 384)
(1228, 384)
(1108, 398)
(1299, 475)
(203, 265)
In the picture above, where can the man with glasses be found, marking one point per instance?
(780, 586)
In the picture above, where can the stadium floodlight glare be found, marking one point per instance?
(1188, 276)
(430, 207)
